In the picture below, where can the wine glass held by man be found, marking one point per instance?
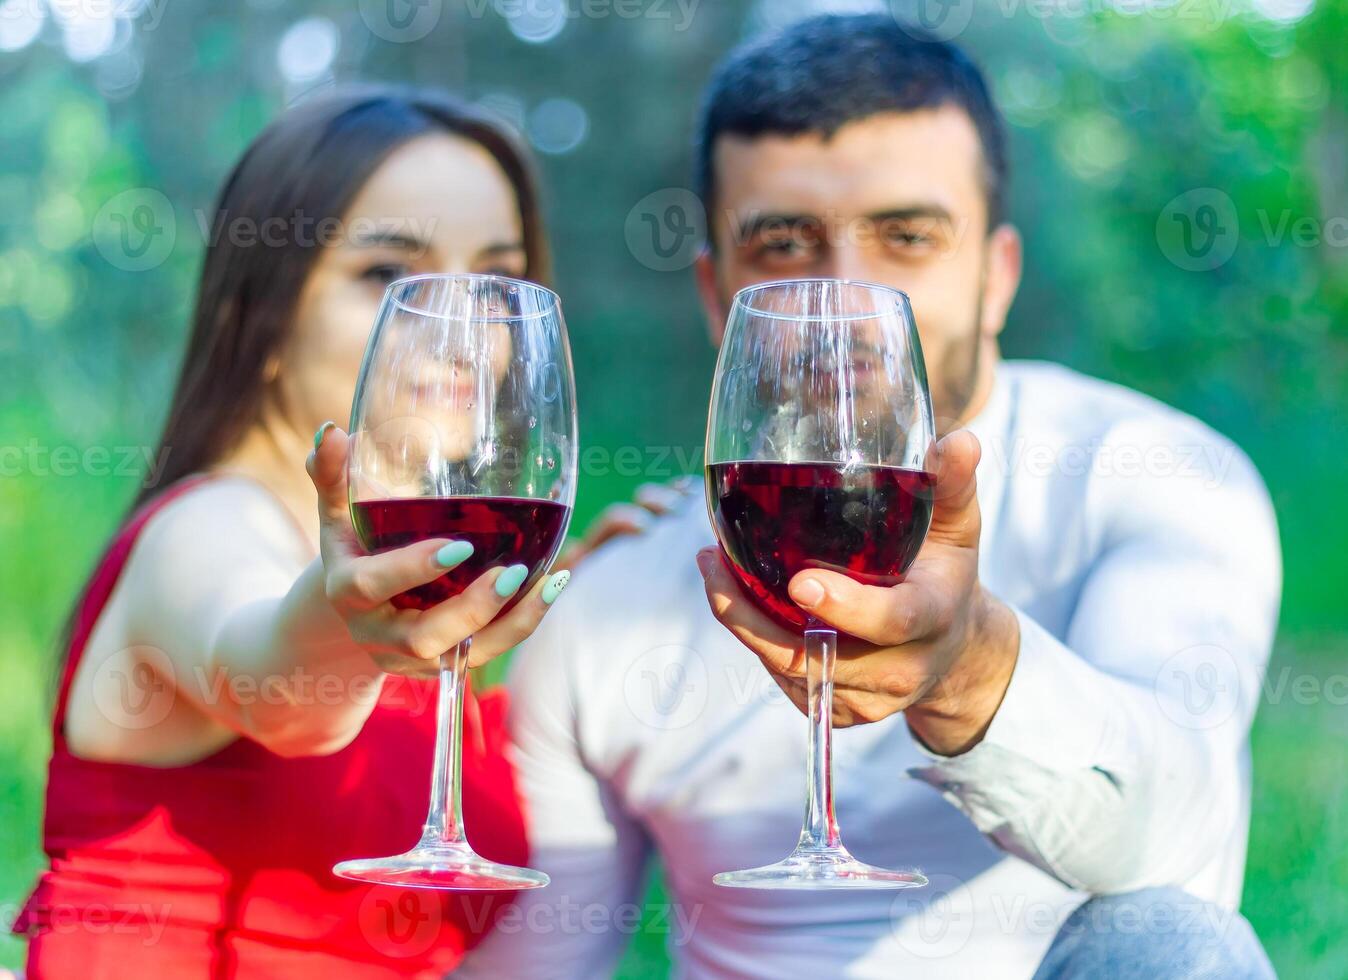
(937, 645)
(227, 727)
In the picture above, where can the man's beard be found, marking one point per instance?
(958, 377)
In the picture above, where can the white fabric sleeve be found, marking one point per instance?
(1118, 757)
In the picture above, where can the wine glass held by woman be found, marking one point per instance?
(227, 727)
(361, 587)
(463, 427)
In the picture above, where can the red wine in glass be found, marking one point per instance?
(777, 519)
(502, 530)
(824, 370)
(440, 448)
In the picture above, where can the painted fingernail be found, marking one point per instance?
(554, 587)
(807, 593)
(321, 434)
(510, 580)
(454, 553)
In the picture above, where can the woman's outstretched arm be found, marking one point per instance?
(230, 631)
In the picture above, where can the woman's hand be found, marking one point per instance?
(359, 586)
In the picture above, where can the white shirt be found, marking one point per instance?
(1139, 551)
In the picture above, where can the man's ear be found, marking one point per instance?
(1005, 257)
(709, 291)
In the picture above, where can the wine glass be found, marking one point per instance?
(817, 447)
(463, 426)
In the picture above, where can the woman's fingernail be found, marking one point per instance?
(554, 587)
(454, 553)
(322, 433)
(807, 593)
(510, 580)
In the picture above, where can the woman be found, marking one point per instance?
(227, 727)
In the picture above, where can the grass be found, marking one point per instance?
(1296, 880)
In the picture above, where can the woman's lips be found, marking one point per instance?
(456, 393)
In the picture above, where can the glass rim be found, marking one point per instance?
(391, 292)
(742, 300)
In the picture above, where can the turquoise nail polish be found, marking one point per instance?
(454, 553)
(554, 587)
(322, 431)
(510, 580)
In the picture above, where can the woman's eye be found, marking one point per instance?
(510, 263)
(496, 299)
(385, 273)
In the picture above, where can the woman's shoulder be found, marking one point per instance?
(224, 540)
(200, 553)
(218, 520)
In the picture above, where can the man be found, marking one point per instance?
(1058, 698)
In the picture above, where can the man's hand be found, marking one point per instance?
(936, 647)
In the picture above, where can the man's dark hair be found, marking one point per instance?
(819, 74)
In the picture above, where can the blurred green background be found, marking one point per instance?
(1180, 175)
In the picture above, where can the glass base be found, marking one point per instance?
(441, 866)
(820, 869)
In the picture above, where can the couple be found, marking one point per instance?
(1020, 725)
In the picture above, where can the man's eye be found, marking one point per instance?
(786, 247)
(385, 273)
(909, 236)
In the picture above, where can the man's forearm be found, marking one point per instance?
(1082, 774)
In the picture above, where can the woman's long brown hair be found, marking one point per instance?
(306, 166)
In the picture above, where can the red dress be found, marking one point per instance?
(223, 868)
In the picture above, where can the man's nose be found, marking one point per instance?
(848, 260)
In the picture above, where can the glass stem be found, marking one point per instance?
(820, 831)
(444, 821)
